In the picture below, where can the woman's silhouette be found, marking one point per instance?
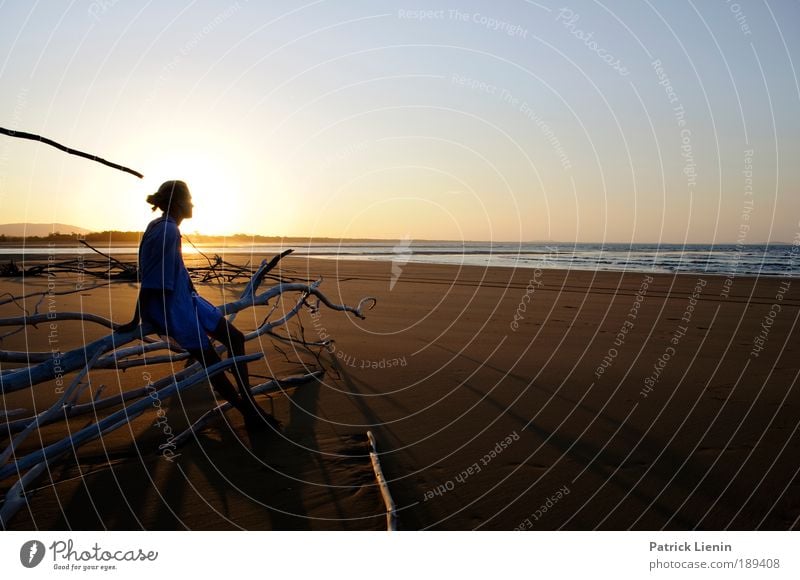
(168, 300)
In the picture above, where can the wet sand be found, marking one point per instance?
(500, 400)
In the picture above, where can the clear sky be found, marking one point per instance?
(622, 121)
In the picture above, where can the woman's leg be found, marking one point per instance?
(233, 339)
(219, 381)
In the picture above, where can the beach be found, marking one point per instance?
(499, 398)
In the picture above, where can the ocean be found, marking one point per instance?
(744, 260)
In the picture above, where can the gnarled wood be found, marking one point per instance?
(114, 351)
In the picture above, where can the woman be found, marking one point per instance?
(167, 300)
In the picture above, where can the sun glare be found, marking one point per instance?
(215, 187)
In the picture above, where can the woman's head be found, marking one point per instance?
(173, 198)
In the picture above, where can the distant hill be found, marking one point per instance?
(41, 230)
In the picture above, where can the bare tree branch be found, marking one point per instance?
(64, 148)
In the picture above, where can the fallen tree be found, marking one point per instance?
(115, 350)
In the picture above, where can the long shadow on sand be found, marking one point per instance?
(610, 465)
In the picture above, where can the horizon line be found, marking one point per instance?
(326, 239)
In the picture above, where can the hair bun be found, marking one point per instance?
(152, 199)
(165, 194)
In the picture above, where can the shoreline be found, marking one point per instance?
(195, 260)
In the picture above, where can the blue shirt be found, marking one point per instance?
(168, 300)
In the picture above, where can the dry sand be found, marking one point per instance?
(481, 422)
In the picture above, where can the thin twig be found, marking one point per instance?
(65, 149)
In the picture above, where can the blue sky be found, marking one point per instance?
(510, 120)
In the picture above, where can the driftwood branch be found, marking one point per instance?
(115, 351)
(76, 410)
(67, 397)
(70, 150)
(124, 415)
(73, 360)
(35, 319)
(15, 499)
(391, 513)
(130, 269)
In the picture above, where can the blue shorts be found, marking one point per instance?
(188, 319)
